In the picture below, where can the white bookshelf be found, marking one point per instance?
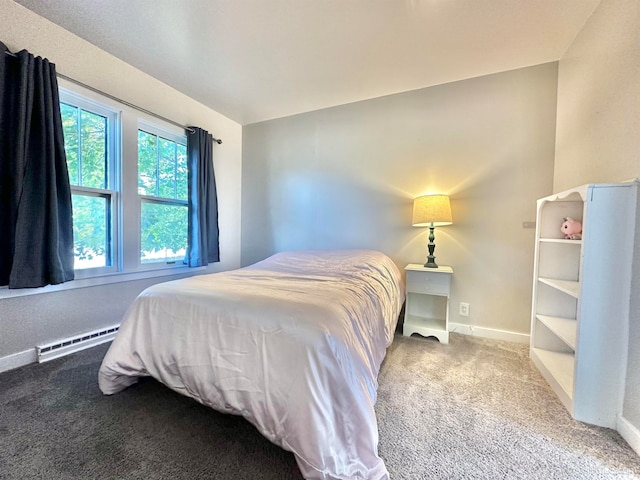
(581, 290)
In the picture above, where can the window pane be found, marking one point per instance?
(70, 129)
(147, 163)
(90, 231)
(162, 167)
(163, 232)
(167, 168)
(93, 157)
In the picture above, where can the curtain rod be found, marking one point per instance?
(124, 102)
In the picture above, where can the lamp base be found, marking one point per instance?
(431, 259)
(431, 262)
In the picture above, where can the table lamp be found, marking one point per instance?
(431, 211)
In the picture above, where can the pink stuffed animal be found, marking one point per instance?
(571, 228)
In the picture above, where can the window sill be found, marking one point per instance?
(6, 292)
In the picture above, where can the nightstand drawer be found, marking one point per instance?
(432, 283)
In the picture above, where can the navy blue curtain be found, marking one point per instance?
(203, 243)
(36, 224)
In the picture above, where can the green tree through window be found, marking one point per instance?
(85, 136)
(162, 186)
(129, 187)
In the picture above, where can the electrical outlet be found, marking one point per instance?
(464, 309)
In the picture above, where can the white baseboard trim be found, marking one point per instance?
(19, 359)
(489, 333)
(630, 433)
(59, 348)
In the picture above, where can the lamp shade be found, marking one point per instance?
(432, 210)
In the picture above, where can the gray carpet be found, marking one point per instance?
(473, 409)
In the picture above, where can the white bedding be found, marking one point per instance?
(293, 343)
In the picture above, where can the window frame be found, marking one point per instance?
(114, 180)
(171, 134)
(122, 150)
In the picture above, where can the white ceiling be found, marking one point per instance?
(255, 60)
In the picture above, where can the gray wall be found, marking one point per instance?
(345, 177)
(32, 320)
(599, 132)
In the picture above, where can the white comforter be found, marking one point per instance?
(293, 343)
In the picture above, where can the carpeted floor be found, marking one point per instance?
(473, 409)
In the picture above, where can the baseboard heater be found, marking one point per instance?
(75, 344)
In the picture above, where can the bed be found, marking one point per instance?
(293, 343)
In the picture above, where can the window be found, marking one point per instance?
(89, 135)
(162, 187)
(129, 186)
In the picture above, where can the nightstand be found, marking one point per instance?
(427, 307)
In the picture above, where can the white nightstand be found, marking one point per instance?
(427, 308)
